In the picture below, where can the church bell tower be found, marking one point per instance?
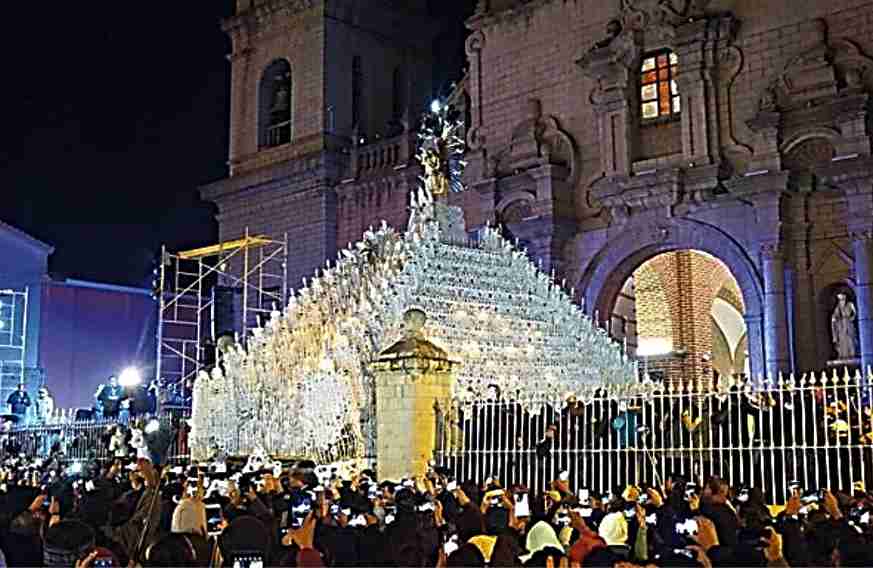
(311, 79)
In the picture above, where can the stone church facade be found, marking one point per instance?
(602, 134)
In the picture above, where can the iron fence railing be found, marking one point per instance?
(817, 430)
(84, 440)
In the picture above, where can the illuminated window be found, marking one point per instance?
(659, 94)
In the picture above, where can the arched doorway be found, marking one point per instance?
(681, 314)
(607, 273)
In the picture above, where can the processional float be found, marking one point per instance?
(303, 385)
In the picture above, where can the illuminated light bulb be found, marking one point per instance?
(129, 377)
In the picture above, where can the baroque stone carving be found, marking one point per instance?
(731, 59)
(537, 140)
(819, 93)
(475, 43)
(821, 69)
(638, 14)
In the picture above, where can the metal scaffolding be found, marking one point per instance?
(13, 339)
(228, 288)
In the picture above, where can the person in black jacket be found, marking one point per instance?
(715, 507)
(109, 397)
(19, 402)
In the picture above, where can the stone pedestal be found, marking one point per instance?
(413, 376)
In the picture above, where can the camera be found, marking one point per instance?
(810, 497)
(691, 490)
(495, 497)
(688, 527)
(213, 519)
(522, 507)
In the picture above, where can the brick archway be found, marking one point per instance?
(605, 273)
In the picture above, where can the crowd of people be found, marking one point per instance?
(112, 402)
(132, 511)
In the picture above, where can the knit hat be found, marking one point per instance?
(613, 529)
(189, 517)
(541, 536)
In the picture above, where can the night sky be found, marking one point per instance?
(113, 113)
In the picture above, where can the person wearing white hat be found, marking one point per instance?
(541, 537)
(613, 530)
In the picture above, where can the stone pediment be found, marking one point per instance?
(537, 140)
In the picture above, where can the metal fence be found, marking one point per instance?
(817, 430)
(89, 439)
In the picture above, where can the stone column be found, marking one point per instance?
(861, 243)
(413, 376)
(775, 324)
(755, 344)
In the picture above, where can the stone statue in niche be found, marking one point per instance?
(843, 328)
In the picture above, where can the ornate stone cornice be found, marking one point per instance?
(321, 164)
(485, 17)
(262, 15)
(753, 186)
(624, 195)
(852, 175)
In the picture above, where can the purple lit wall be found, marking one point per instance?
(90, 331)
